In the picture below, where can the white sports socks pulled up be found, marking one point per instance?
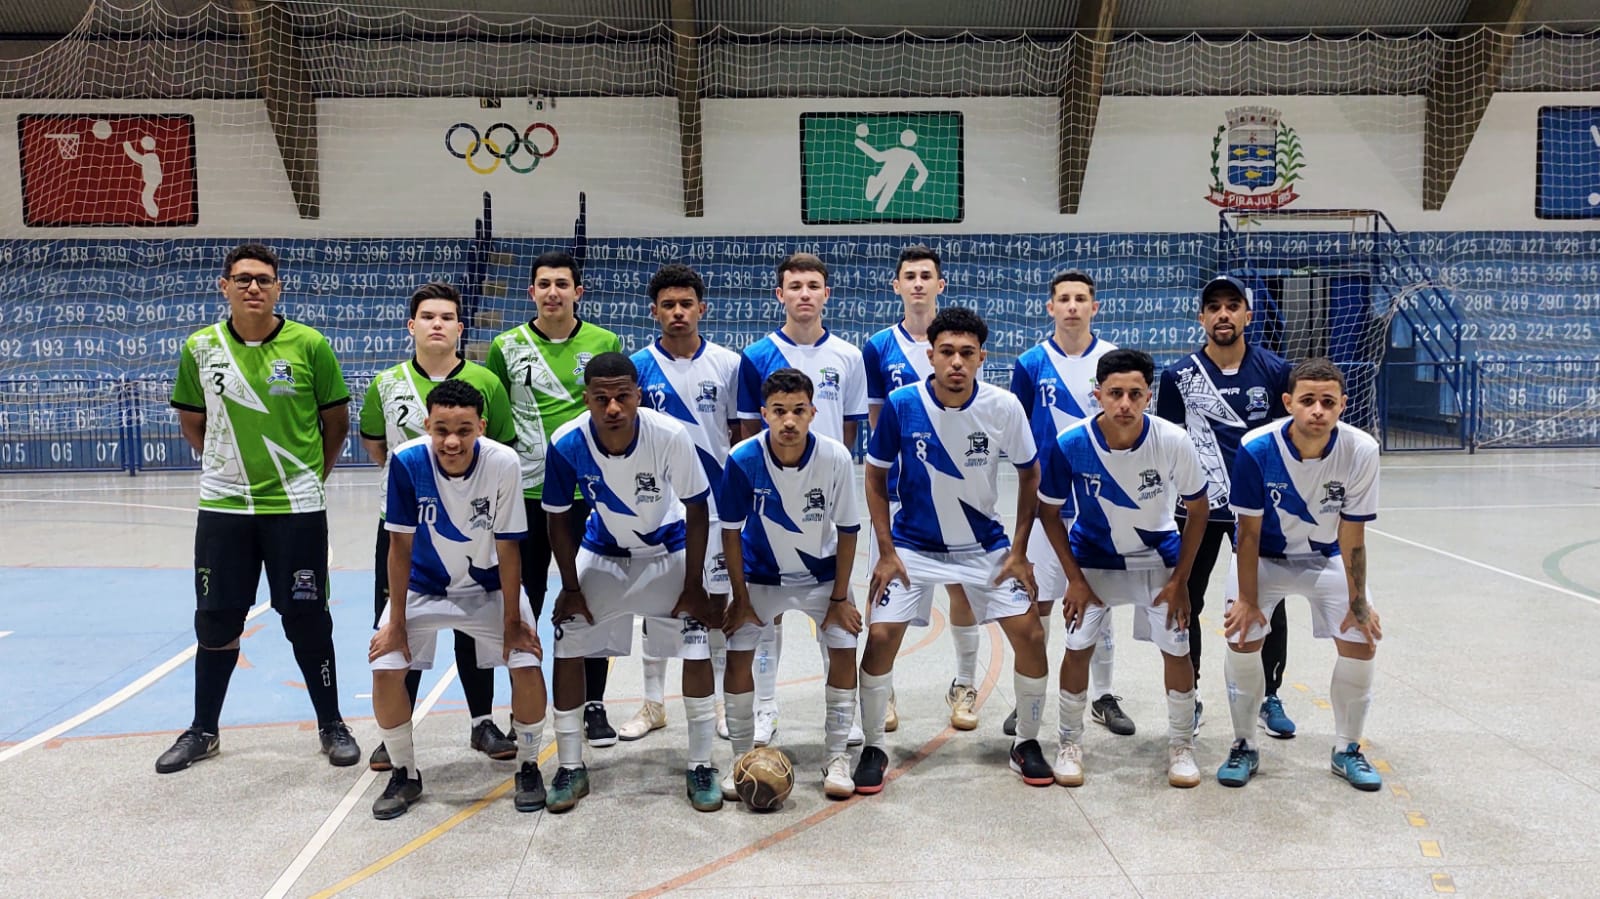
(655, 679)
(1069, 716)
(1350, 694)
(1247, 686)
(569, 737)
(1180, 718)
(965, 638)
(529, 736)
(875, 690)
(401, 752)
(841, 713)
(1030, 705)
(701, 712)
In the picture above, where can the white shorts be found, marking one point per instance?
(716, 581)
(974, 571)
(480, 619)
(617, 589)
(1137, 588)
(769, 602)
(1047, 571)
(1320, 581)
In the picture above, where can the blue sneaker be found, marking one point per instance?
(1242, 762)
(1351, 765)
(1274, 721)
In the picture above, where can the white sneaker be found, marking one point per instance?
(891, 716)
(722, 721)
(651, 716)
(766, 726)
(1069, 765)
(1181, 769)
(836, 780)
(856, 737)
(729, 792)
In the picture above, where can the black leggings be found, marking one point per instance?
(536, 577)
(1274, 651)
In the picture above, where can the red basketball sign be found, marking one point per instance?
(108, 170)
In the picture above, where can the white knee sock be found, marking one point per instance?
(1350, 694)
(401, 753)
(1247, 686)
(1069, 716)
(768, 652)
(1105, 653)
(655, 679)
(701, 711)
(966, 639)
(875, 690)
(719, 661)
(840, 715)
(1180, 718)
(1030, 705)
(529, 736)
(569, 737)
(741, 716)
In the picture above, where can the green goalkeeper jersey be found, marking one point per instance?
(544, 378)
(397, 402)
(263, 402)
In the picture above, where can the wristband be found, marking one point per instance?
(566, 589)
(837, 598)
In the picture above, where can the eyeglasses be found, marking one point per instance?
(243, 282)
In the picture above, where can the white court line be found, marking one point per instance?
(100, 502)
(1592, 600)
(335, 819)
(1489, 508)
(115, 699)
(1489, 467)
(4, 634)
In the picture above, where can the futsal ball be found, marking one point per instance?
(763, 778)
(101, 129)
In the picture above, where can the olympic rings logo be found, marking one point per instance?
(505, 149)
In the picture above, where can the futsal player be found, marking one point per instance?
(264, 403)
(1303, 490)
(947, 435)
(642, 553)
(456, 518)
(789, 520)
(836, 370)
(391, 414)
(1124, 469)
(1218, 393)
(694, 381)
(1055, 382)
(541, 364)
(895, 357)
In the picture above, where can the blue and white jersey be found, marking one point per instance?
(1300, 501)
(949, 458)
(893, 360)
(1218, 407)
(1125, 498)
(455, 520)
(637, 497)
(789, 517)
(701, 392)
(1057, 390)
(838, 378)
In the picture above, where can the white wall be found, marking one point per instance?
(385, 170)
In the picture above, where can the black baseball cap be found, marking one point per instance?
(1224, 285)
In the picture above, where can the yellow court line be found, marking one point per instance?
(1430, 849)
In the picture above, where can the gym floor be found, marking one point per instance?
(1486, 570)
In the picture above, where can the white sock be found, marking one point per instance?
(1247, 685)
(655, 680)
(401, 753)
(875, 690)
(1069, 719)
(836, 726)
(966, 639)
(529, 736)
(1030, 705)
(569, 737)
(1350, 694)
(1180, 718)
(702, 714)
(741, 716)
(719, 661)
(768, 651)
(1105, 653)
(480, 719)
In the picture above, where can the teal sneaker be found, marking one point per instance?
(1351, 765)
(1274, 721)
(705, 794)
(1241, 764)
(566, 788)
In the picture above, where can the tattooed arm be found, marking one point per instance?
(1353, 546)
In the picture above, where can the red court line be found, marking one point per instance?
(996, 657)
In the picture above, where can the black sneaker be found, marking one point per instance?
(596, 729)
(1010, 725)
(380, 759)
(402, 791)
(530, 788)
(191, 746)
(339, 745)
(487, 739)
(870, 770)
(1108, 712)
(1027, 759)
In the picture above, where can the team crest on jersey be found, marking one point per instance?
(645, 488)
(481, 519)
(1332, 496)
(305, 586)
(706, 399)
(1149, 483)
(829, 388)
(1256, 402)
(977, 444)
(583, 363)
(816, 504)
(281, 379)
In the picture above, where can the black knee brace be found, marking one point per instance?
(311, 626)
(216, 628)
